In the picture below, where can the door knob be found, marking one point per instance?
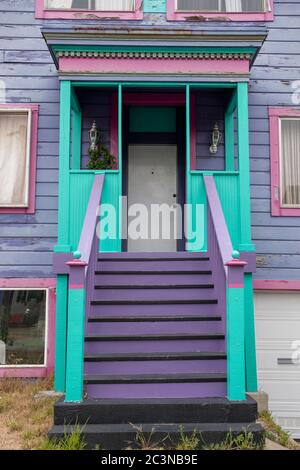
(174, 195)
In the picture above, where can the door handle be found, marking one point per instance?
(174, 195)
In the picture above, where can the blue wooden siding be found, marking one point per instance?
(26, 241)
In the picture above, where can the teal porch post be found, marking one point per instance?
(229, 133)
(63, 236)
(250, 350)
(236, 383)
(75, 331)
(76, 132)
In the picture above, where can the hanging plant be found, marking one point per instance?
(100, 157)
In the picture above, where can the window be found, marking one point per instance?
(231, 10)
(285, 161)
(81, 9)
(18, 136)
(234, 6)
(22, 327)
(100, 5)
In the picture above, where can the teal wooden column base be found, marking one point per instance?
(61, 333)
(250, 347)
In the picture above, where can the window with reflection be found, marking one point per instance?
(100, 5)
(232, 6)
(22, 327)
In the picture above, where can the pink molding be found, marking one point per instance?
(173, 15)
(33, 156)
(76, 14)
(154, 66)
(155, 99)
(275, 114)
(276, 285)
(37, 371)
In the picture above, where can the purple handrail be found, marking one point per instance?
(218, 220)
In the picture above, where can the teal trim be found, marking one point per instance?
(111, 195)
(244, 167)
(80, 189)
(135, 84)
(197, 198)
(64, 164)
(143, 48)
(75, 350)
(152, 119)
(94, 172)
(236, 386)
(214, 173)
(228, 189)
(250, 349)
(61, 332)
(155, 6)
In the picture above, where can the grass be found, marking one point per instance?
(244, 441)
(275, 433)
(73, 441)
(24, 420)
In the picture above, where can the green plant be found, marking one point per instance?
(145, 442)
(244, 441)
(100, 158)
(275, 433)
(188, 442)
(72, 441)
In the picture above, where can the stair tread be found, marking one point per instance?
(154, 302)
(159, 337)
(154, 286)
(178, 256)
(161, 271)
(153, 318)
(154, 378)
(155, 356)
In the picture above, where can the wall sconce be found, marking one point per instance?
(94, 135)
(215, 139)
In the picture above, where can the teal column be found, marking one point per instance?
(244, 167)
(76, 132)
(75, 332)
(235, 294)
(229, 133)
(61, 332)
(250, 349)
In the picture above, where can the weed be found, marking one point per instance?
(72, 441)
(275, 433)
(244, 441)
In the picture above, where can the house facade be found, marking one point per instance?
(191, 104)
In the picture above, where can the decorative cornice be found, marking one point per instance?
(154, 55)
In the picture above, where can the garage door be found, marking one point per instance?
(278, 355)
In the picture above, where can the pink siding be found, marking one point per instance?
(275, 114)
(172, 15)
(36, 371)
(276, 285)
(33, 155)
(42, 13)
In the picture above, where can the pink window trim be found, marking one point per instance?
(32, 164)
(154, 99)
(277, 285)
(275, 114)
(173, 15)
(42, 13)
(37, 371)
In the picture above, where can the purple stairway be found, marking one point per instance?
(155, 355)
(155, 328)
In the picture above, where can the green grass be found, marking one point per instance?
(72, 441)
(275, 433)
(244, 441)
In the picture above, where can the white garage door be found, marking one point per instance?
(278, 355)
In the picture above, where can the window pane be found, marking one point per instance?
(290, 162)
(102, 5)
(232, 6)
(13, 159)
(22, 327)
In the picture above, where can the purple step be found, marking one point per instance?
(140, 346)
(180, 255)
(153, 265)
(157, 295)
(150, 279)
(156, 367)
(166, 309)
(178, 390)
(144, 328)
(153, 318)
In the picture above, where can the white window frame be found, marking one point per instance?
(46, 7)
(33, 366)
(27, 111)
(284, 206)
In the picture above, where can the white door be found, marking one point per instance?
(277, 316)
(152, 180)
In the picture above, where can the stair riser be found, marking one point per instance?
(173, 265)
(152, 279)
(98, 347)
(155, 367)
(180, 255)
(154, 294)
(154, 327)
(168, 309)
(187, 390)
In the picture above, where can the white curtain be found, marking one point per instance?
(59, 3)
(114, 5)
(233, 5)
(290, 161)
(13, 147)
